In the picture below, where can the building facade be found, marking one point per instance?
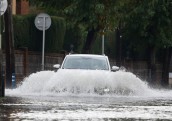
(20, 7)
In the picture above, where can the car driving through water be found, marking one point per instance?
(84, 74)
(79, 70)
(86, 62)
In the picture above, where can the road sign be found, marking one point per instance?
(43, 22)
(3, 6)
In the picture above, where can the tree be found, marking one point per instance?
(94, 15)
(148, 25)
(145, 25)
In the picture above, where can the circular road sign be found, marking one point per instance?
(42, 21)
(3, 6)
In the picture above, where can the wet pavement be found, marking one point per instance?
(51, 96)
(82, 107)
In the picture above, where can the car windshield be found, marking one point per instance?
(91, 63)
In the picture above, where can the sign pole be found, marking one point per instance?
(43, 22)
(43, 43)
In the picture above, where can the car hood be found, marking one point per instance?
(82, 72)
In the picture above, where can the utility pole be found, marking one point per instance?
(9, 45)
(3, 7)
(2, 89)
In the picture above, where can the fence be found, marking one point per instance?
(141, 70)
(27, 62)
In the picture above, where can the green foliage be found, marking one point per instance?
(27, 35)
(99, 14)
(74, 36)
(94, 15)
(109, 44)
(148, 24)
(21, 34)
(143, 23)
(55, 35)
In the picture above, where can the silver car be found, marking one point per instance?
(86, 62)
(83, 73)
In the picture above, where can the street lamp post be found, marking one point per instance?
(103, 46)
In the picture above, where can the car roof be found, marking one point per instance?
(87, 55)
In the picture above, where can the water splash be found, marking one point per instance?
(85, 82)
(34, 82)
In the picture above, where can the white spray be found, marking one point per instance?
(85, 82)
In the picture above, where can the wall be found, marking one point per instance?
(13, 7)
(22, 7)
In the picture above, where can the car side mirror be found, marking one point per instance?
(57, 66)
(115, 68)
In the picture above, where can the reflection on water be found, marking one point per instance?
(42, 97)
(86, 108)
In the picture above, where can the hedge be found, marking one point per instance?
(60, 36)
(27, 35)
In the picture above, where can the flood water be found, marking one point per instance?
(85, 96)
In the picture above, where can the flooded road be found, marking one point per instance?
(40, 101)
(98, 108)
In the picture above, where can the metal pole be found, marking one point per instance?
(0, 34)
(103, 42)
(1, 71)
(2, 88)
(0, 27)
(43, 43)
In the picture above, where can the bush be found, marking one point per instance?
(27, 35)
(74, 36)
